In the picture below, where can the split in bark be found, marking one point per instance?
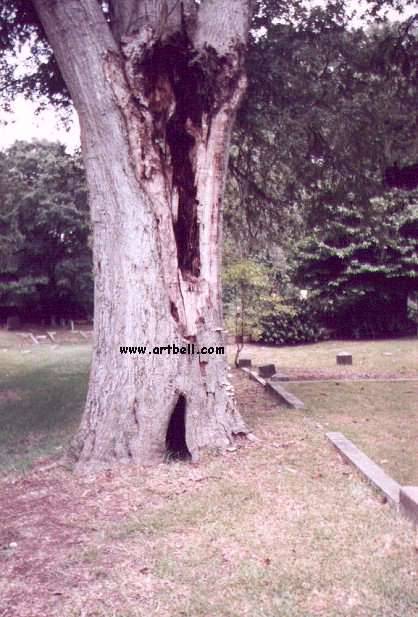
(160, 97)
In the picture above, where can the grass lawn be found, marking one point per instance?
(391, 357)
(380, 418)
(42, 392)
(280, 527)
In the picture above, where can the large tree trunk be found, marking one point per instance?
(156, 92)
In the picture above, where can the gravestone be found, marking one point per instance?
(13, 323)
(71, 324)
(244, 362)
(266, 370)
(344, 358)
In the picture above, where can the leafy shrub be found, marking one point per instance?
(246, 284)
(291, 325)
(253, 309)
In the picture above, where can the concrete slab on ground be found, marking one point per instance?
(372, 472)
(253, 375)
(286, 397)
(408, 499)
(283, 395)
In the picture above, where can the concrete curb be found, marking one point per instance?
(286, 397)
(283, 395)
(408, 501)
(372, 472)
(362, 380)
(404, 498)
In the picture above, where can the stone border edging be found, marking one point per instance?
(408, 502)
(368, 468)
(340, 380)
(404, 498)
(285, 397)
(289, 399)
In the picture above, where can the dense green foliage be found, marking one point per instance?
(329, 108)
(362, 267)
(21, 33)
(335, 108)
(254, 307)
(293, 324)
(45, 260)
(246, 289)
(315, 138)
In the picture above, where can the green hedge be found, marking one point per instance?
(292, 326)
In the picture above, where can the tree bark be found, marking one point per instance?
(156, 90)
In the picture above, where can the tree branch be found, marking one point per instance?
(164, 17)
(80, 37)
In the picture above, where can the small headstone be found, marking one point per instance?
(244, 362)
(52, 336)
(33, 339)
(344, 358)
(266, 370)
(13, 323)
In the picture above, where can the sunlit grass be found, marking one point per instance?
(391, 356)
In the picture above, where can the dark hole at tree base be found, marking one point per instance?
(175, 442)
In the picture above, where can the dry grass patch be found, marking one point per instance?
(279, 527)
